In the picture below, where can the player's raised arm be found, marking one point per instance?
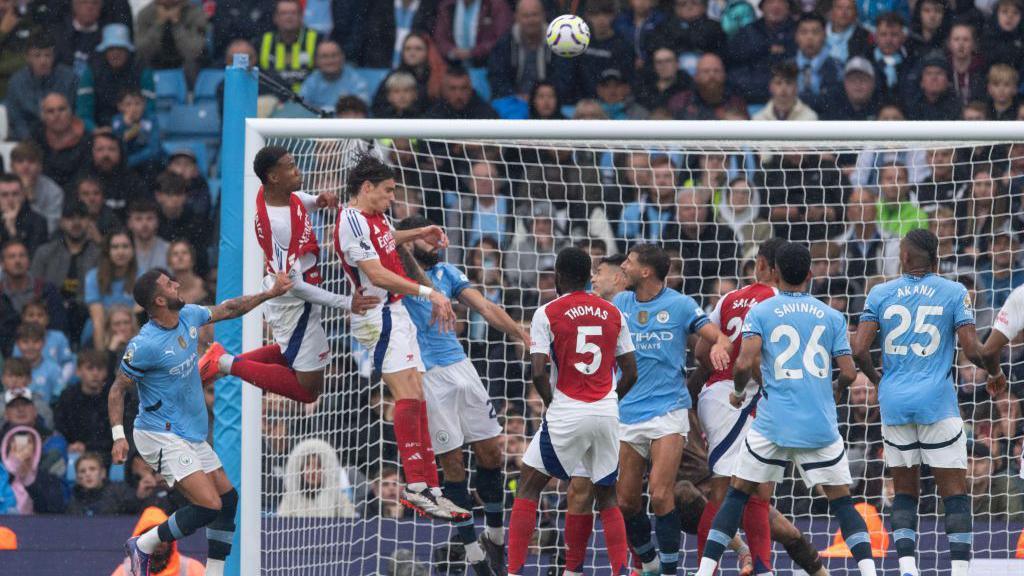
(433, 234)
(236, 307)
(862, 341)
(115, 412)
(494, 315)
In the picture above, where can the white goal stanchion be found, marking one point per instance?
(511, 193)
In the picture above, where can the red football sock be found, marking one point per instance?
(427, 449)
(577, 533)
(520, 531)
(271, 373)
(706, 518)
(758, 533)
(407, 435)
(615, 538)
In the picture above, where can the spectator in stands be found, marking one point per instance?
(936, 99)
(20, 221)
(150, 249)
(868, 250)
(63, 139)
(521, 58)
(47, 378)
(18, 374)
(537, 250)
(55, 346)
(459, 101)
(616, 97)
(183, 163)
(1002, 92)
(897, 213)
(951, 263)
(1001, 272)
(166, 559)
(14, 41)
(1002, 38)
(121, 185)
(36, 490)
(860, 99)
(289, 47)
(101, 219)
(967, 66)
(236, 19)
(544, 103)
(93, 494)
(52, 14)
(382, 32)
(110, 283)
(385, 492)
(424, 63)
(890, 58)
(311, 483)
(137, 130)
(982, 211)
(17, 288)
(171, 34)
(711, 98)
(870, 10)
(785, 104)
(989, 486)
(689, 31)
(929, 27)
(663, 81)
(636, 25)
(941, 187)
(467, 30)
(655, 206)
(181, 258)
(81, 411)
(818, 80)
(45, 197)
(974, 111)
(756, 47)
(79, 35)
(331, 80)
(115, 71)
(708, 249)
(178, 221)
(844, 36)
(31, 84)
(860, 420)
(576, 78)
(63, 262)
(486, 212)
(122, 326)
(740, 209)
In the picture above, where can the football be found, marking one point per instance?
(568, 36)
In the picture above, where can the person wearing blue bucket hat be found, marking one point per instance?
(117, 70)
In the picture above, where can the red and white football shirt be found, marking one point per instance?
(358, 237)
(729, 314)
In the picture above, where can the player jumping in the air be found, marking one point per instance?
(584, 337)
(171, 427)
(370, 249)
(294, 365)
(459, 408)
(793, 338)
(654, 415)
(921, 317)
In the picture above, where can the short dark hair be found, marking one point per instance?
(41, 40)
(811, 17)
(12, 242)
(351, 104)
(924, 244)
(10, 178)
(456, 71)
(794, 262)
(769, 249)
(573, 266)
(654, 256)
(170, 183)
(266, 159)
(27, 150)
(368, 168)
(144, 206)
(613, 260)
(30, 331)
(413, 222)
(890, 18)
(17, 367)
(93, 358)
(135, 92)
(106, 136)
(145, 288)
(785, 70)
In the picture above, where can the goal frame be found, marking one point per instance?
(258, 131)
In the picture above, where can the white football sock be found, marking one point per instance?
(908, 565)
(961, 567)
(496, 534)
(707, 567)
(652, 566)
(867, 567)
(474, 553)
(214, 567)
(149, 540)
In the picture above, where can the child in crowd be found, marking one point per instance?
(55, 345)
(138, 133)
(47, 381)
(17, 373)
(1002, 92)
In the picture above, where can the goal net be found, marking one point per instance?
(328, 472)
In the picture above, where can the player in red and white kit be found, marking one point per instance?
(369, 250)
(584, 337)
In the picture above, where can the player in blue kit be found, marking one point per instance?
(793, 338)
(921, 317)
(459, 410)
(171, 427)
(653, 416)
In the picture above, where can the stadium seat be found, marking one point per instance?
(206, 84)
(200, 120)
(3, 122)
(171, 87)
(199, 147)
(754, 109)
(372, 76)
(5, 153)
(214, 184)
(478, 76)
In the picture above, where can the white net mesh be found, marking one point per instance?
(508, 207)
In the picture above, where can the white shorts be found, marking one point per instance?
(640, 435)
(390, 336)
(459, 408)
(724, 425)
(173, 457)
(584, 443)
(761, 461)
(298, 330)
(941, 444)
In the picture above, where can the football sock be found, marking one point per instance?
(578, 528)
(706, 518)
(427, 450)
(759, 533)
(489, 488)
(724, 527)
(407, 436)
(855, 531)
(520, 531)
(458, 493)
(904, 532)
(638, 529)
(272, 374)
(959, 532)
(668, 531)
(615, 538)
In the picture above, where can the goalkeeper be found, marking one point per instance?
(458, 407)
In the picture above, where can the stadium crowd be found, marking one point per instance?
(98, 187)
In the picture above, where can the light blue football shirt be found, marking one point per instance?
(917, 320)
(800, 335)
(660, 328)
(437, 348)
(163, 362)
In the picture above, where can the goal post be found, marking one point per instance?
(442, 152)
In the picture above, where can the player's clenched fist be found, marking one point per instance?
(282, 284)
(119, 453)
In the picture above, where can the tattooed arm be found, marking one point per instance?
(412, 267)
(237, 307)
